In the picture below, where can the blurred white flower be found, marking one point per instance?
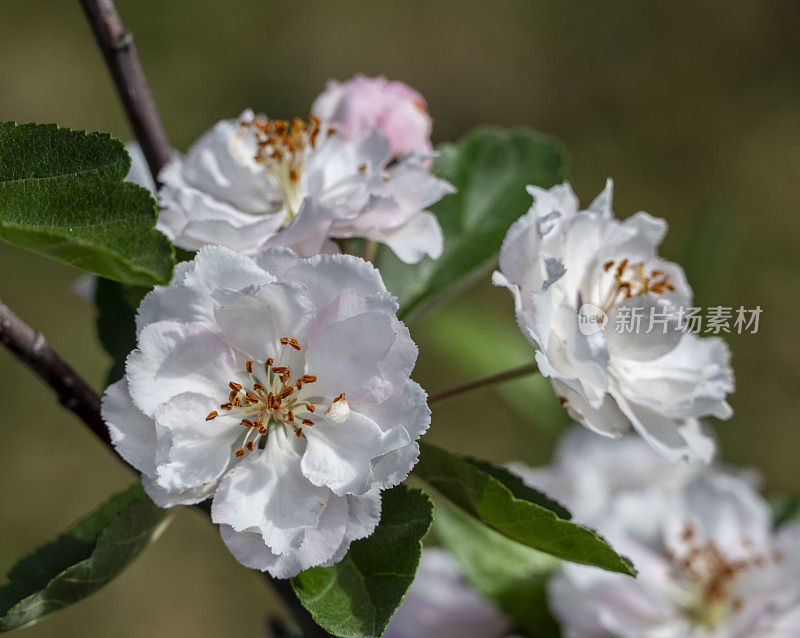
(558, 260)
(710, 566)
(591, 475)
(280, 387)
(361, 104)
(253, 183)
(441, 604)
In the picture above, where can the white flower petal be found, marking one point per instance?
(173, 358)
(407, 407)
(319, 544)
(193, 452)
(328, 276)
(267, 491)
(343, 456)
(253, 322)
(132, 432)
(557, 260)
(419, 237)
(187, 298)
(346, 356)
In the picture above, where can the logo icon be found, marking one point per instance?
(591, 319)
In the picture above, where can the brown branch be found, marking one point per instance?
(72, 391)
(492, 379)
(120, 55)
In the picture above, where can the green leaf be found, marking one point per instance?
(116, 323)
(80, 561)
(785, 509)
(511, 574)
(529, 520)
(490, 167)
(356, 597)
(62, 195)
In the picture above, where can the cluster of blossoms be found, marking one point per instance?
(273, 376)
(710, 563)
(557, 261)
(359, 167)
(274, 380)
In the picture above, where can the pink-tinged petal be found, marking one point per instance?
(363, 103)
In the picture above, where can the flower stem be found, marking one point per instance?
(492, 379)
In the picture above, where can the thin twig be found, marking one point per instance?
(120, 54)
(492, 379)
(76, 395)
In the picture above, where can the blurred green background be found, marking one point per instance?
(692, 107)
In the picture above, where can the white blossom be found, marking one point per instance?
(559, 261)
(710, 566)
(253, 183)
(591, 475)
(360, 104)
(441, 604)
(279, 387)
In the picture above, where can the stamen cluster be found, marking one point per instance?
(633, 280)
(276, 401)
(711, 574)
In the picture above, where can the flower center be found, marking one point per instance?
(274, 399)
(708, 577)
(633, 280)
(284, 149)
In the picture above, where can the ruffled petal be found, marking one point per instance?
(268, 492)
(193, 452)
(318, 547)
(132, 432)
(174, 358)
(343, 456)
